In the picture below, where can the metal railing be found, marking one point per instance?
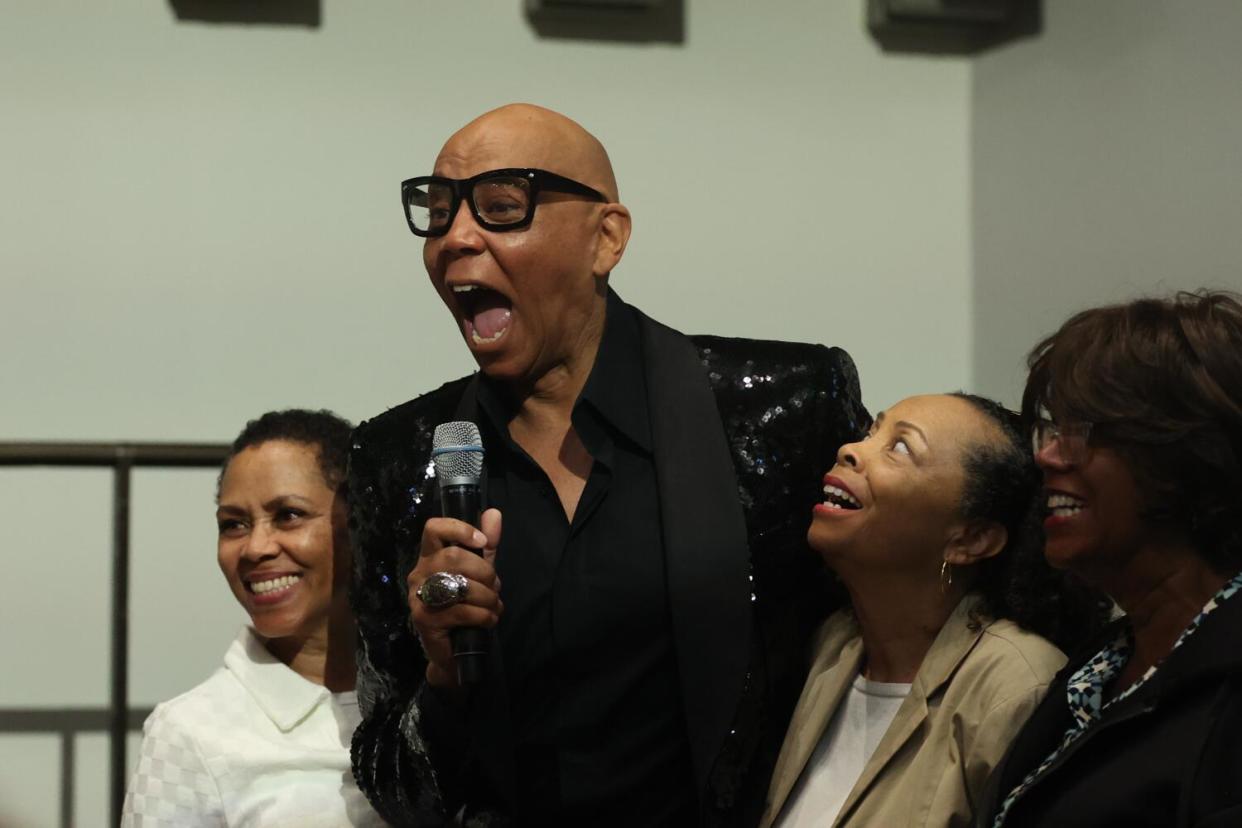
(118, 719)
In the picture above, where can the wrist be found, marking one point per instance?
(440, 678)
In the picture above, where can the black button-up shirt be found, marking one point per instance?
(586, 636)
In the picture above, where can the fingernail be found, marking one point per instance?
(479, 538)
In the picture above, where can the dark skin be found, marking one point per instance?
(1156, 576)
(551, 278)
(545, 432)
(1159, 609)
(278, 516)
(907, 477)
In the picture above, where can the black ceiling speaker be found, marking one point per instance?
(616, 5)
(958, 27)
(308, 13)
(614, 20)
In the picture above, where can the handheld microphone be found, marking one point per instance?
(457, 454)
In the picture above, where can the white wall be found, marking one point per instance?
(201, 223)
(1107, 163)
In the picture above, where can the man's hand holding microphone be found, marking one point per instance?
(454, 593)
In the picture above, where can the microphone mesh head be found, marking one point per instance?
(457, 452)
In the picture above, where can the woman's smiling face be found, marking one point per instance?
(1094, 508)
(283, 546)
(893, 498)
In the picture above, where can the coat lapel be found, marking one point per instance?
(705, 543)
(950, 647)
(830, 680)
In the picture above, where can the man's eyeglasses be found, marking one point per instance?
(1070, 440)
(498, 199)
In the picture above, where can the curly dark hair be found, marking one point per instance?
(1003, 485)
(325, 431)
(1160, 380)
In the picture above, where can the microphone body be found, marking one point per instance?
(462, 502)
(457, 453)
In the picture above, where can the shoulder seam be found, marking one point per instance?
(1014, 646)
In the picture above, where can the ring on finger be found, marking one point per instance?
(443, 589)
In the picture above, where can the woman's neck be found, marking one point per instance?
(1161, 591)
(326, 659)
(899, 621)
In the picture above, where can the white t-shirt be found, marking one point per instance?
(254, 745)
(860, 722)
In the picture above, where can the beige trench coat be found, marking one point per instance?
(972, 693)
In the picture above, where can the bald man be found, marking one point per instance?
(641, 569)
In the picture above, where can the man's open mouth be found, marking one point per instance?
(485, 313)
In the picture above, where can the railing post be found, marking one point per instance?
(118, 720)
(68, 774)
(119, 712)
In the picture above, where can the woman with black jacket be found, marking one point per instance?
(1136, 413)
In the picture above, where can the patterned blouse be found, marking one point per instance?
(1085, 690)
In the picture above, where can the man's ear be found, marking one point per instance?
(614, 235)
(975, 541)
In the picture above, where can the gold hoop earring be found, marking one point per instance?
(946, 577)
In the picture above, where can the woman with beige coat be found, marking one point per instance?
(915, 691)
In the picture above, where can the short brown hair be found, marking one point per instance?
(1161, 382)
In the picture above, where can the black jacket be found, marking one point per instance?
(1170, 754)
(743, 431)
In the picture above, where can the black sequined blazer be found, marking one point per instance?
(743, 431)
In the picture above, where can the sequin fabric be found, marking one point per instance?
(391, 480)
(1086, 687)
(785, 408)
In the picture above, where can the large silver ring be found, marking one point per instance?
(443, 589)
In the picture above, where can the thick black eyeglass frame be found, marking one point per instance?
(463, 189)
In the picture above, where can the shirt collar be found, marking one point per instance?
(616, 388)
(284, 697)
